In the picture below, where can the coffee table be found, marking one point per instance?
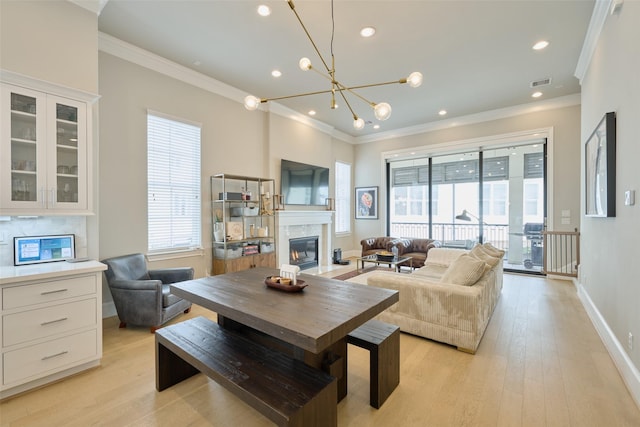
(396, 263)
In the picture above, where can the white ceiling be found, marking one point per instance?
(475, 56)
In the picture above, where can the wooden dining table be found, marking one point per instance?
(311, 325)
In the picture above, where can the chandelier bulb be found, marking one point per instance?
(415, 79)
(251, 102)
(358, 123)
(382, 111)
(304, 64)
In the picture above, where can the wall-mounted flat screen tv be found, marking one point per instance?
(303, 184)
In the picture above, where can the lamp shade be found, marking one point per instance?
(382, 111)
(464, 216)
(415, 79)
(358, 123)
(304, 64)
(251, 102)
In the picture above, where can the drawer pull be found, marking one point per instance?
(54, 292)
(53, 321)
(55, 355)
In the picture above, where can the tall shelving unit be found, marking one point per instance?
(243, 224)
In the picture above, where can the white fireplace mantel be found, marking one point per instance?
(293, 224)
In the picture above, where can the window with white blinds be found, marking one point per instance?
(173, 184)
(343, 197)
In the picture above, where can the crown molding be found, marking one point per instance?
(17, 79)
(94, 6)
(144, 58)
(281, 110)
(485, 116)
(598, 18)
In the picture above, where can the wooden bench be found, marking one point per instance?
(383, 342)
(283, 389)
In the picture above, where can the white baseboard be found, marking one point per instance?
(108, 309)
(630, 374)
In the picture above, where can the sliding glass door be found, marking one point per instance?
(492, 195)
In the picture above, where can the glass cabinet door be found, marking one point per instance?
(23, 155)
(66, 153)
(43, 152)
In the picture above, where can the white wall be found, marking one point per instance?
(234, 141)
(52, 40)
(609, 246)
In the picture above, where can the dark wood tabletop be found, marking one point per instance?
(313, 319)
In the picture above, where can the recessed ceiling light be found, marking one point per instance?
(540, 45)
(264, 10)
(442, 112)
(367, 31)
(536, 94)
(312, 112)
(276, 73)
(376, 126)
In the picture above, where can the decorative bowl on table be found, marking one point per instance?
(385, 256)
(284, 284)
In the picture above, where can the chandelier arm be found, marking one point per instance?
(263, 100)
(401, 81)
(293, 8)
(355, 116)
(342, 88)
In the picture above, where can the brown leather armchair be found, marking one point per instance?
(418, 249)
(374, 245)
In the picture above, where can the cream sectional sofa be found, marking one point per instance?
(450, 299)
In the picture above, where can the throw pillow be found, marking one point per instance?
(492, 250)
(479, 252)
(465, 270)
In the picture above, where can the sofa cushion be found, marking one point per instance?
(481, 253)
(431, 271)
(443, 256)
(492, 250)
(466, 270)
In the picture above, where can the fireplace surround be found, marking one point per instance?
(294, 224)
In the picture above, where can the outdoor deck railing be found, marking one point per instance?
(496, 234)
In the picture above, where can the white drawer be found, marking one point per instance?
(21, 296)
(34, 324)
(38, 360)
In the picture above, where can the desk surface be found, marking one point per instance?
(313, 319)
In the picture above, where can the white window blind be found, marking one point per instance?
(173, 184)
(343, 197)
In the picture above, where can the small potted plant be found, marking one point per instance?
(218, 226)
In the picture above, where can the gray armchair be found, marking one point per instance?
(142, 296)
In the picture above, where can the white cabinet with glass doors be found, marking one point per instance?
(43, 153)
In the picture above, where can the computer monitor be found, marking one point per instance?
(40, 249)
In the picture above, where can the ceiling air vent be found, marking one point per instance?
(541, 82)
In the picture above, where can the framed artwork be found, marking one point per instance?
(366, 202)
(600, 169)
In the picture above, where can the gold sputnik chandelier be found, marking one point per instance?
(382, 110)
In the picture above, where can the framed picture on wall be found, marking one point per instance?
(366, 202)
(600, 169)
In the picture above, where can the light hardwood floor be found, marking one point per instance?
(540, 363)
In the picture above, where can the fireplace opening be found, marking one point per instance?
(303, 252)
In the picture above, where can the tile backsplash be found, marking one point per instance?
(11, 227)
